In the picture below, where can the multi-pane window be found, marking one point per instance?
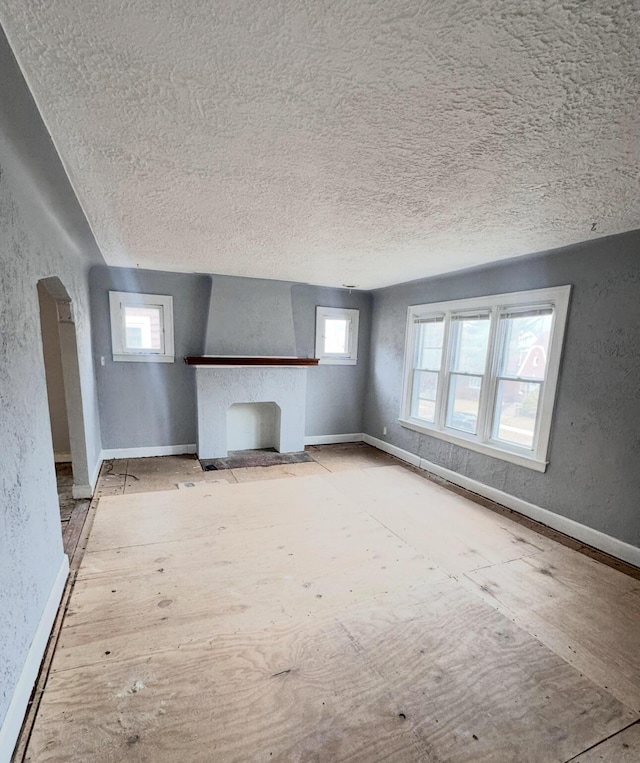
(141, 326)
(482, 372)
(337, 335)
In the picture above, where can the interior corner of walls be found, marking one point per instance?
(10, 729)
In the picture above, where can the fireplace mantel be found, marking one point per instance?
(248, 361)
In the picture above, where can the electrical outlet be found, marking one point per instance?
(384, 430)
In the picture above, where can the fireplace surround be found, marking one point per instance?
(225, 381)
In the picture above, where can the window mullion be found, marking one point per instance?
(541, 404)
(123, 329)
(442, 393)
(488, 391)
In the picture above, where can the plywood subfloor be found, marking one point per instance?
(360, 615)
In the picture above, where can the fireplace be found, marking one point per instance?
(222, 383)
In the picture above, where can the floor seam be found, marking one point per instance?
(602, 741)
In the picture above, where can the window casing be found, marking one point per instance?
(482, 373)
(141, 327)
(337, 335)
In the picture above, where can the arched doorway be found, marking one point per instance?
(62, 371)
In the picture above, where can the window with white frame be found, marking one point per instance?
(337, 335)
(482, 373)
(141, 327)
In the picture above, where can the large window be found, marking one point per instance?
(482, 372)
(141, 327)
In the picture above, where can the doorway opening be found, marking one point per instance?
(62, 373)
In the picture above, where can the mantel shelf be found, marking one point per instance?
(229, 361)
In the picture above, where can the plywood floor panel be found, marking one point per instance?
(292, 693)
(162, 516)
(459, 534)
(237, 583)
(350, 456)
(586, 612)
(158, 473)
(326, 618)
(279, 471)
(478, 686)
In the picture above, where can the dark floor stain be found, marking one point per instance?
(283, 672)
(165, 602)
(133, 739)
(545, 571)
(241, 459)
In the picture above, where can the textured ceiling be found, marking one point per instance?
(328, 141)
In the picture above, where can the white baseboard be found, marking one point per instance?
(148, 451)
(62, 458)
(17, 707)
(333, 439)
(570, 527)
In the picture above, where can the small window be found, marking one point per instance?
(482, 372)
(337, 335)
(141, 327)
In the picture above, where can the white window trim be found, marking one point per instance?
(120, 299)
(350, 358)
(537, 458)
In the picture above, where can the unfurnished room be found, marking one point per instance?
(319, 381)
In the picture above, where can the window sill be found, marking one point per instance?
(529, 462)
(144, 358)
(338, 361)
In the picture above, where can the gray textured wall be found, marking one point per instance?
(594, 472)
(250, 316)
(53, 371)
(42, 233)
(149, 404)
(335, 394)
